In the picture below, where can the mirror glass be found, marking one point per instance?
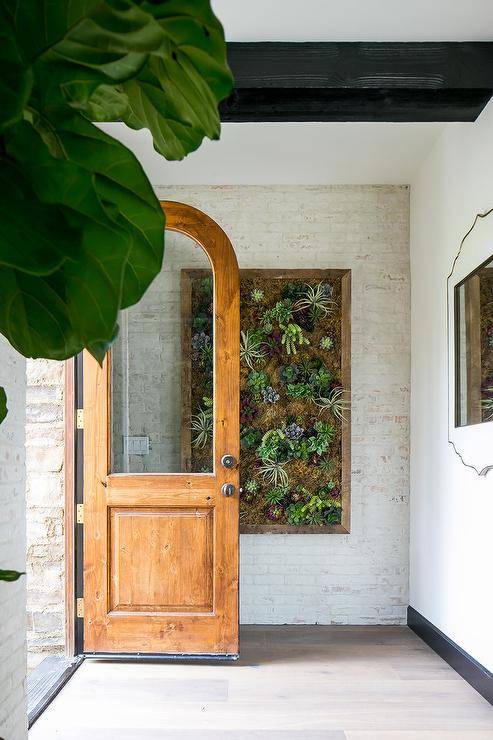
(474, 347)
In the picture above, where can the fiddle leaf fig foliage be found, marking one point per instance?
(3, 404)
(82, 232)
(10, 575)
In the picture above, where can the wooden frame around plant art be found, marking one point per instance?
(187, 276)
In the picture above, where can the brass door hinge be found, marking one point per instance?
(79, 518)
(79, 419)
(80, 607)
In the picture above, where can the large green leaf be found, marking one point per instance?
(16, 78)
(40, 228)
(103, 193)
(176, 95)
(3, 404)
(10, 575)
(82, 232)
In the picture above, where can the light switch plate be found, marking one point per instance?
(135, 445)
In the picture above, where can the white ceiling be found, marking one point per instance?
(356, 20)
(319, 153)
(292, 154)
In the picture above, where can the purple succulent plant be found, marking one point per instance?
(275, 512)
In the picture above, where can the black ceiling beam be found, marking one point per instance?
(358, 81)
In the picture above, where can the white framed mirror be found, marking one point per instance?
(470, 346)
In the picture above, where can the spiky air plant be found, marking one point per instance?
(201, 426)
(276, 495)
(487, 404)
(335, 403)
(251, 350)
(317, 300)
(273, 472)
(257, 295)
(206, 356)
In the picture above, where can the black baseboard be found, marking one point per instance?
(46, 681)
(473, 672)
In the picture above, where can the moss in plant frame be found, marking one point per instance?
(292, 402)
(486, 314)
(201, 355)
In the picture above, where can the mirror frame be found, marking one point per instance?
(473, 443)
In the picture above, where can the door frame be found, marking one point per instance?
(202, 229)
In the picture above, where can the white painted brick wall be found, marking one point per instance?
(13, 724)
(361, 578)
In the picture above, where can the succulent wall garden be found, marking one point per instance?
(292, 400)
(486, 312)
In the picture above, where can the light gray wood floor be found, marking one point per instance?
(292, 683)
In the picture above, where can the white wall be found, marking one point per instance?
(451, 507)
(13, 723)
(361, 578)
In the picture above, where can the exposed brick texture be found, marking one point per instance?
(13, 725)
(44, 489)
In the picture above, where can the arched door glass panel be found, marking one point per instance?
(165, 343)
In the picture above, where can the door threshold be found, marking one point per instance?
(163, 657)
(46, 681)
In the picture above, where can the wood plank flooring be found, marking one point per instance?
(291, 683)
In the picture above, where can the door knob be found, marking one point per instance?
(227, 489)
(228, 461)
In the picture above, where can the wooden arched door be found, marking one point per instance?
(161, 543)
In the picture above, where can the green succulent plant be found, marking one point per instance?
(319, 443)
(206, 356)
(292, 338)
(337, 404)
(270, 445)
(257, 295)
(276, 495)
(282, 311)
(295, 513)
(200, 322)
(251, 351)
(293, 291)
(201, 426)
(487, 405)
(326, 343)
(326, 464)
(289, 373)
(301, 450)
(316, 299)
(273, 472)
(257, 381)
(320, 380)
(251, 486)
(206, 285)
(314, 510)
(249, 438)
(299, 390)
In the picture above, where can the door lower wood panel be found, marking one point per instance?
(161, 559)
